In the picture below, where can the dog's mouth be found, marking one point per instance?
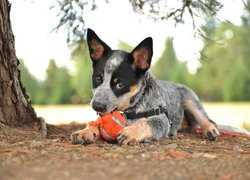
(103, 113)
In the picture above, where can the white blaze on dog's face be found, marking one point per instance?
(117, 74)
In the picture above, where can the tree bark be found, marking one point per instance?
(15, 107)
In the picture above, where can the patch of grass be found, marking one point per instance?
(246, 126)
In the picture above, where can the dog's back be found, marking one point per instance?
(180, 101)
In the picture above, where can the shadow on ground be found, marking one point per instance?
(24, 154)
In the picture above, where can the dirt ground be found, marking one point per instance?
(24, 154)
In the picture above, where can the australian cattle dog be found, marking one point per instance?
(153, 108)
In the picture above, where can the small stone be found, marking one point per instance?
(244, 140)
(237, 149)
(197, 154)
(171, 146)
(178, 154)
(203, 142)
(19, 144)
(56, 140)
(145, 155)
(43, 152)
(151, 146)
(36, 144)
(209, 156)
(108, 155)
(130, 156)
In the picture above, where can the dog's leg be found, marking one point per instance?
(85, 136)
(196, 112)
(176, 121)
(145, 129)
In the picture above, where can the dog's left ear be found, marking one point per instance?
(97, 48)
(142, 54)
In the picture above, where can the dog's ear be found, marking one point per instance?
(142, 54)
(97, 48)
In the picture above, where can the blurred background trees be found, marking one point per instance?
(60, 86)
(57, 87)
(223, 74)
(225, 62)
(82, 77)
(168, 67)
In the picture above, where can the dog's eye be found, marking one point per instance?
(120, 85)
(98, 79)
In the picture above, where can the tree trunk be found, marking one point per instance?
(15, 107)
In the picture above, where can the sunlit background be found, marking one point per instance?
(33, 22)
(117, 24)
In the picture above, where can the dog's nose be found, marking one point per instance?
(99, 107)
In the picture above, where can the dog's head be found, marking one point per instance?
(117, 75)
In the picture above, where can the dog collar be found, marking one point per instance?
(152, 112)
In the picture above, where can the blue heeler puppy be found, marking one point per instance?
(154, 109)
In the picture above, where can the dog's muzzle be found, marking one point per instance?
(99, 107)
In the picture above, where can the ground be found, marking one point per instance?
(24, 154)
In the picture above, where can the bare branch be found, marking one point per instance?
(176, 10)
(71, 17)
(71, 13)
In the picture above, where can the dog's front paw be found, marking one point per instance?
(136, 133)
(128, 135)
(211, 131)
(85, 136)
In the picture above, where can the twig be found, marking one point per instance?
(245, 4)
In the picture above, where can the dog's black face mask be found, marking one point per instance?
(117, 74)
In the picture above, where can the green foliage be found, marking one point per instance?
(60, 87)
(237, 85)
(167, 67)
(82, 78)
(30, 83)
(224, 74)
(57, 87)
(225, 63)
(246, 125)
(125, 46)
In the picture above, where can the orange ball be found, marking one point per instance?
(109, 125)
